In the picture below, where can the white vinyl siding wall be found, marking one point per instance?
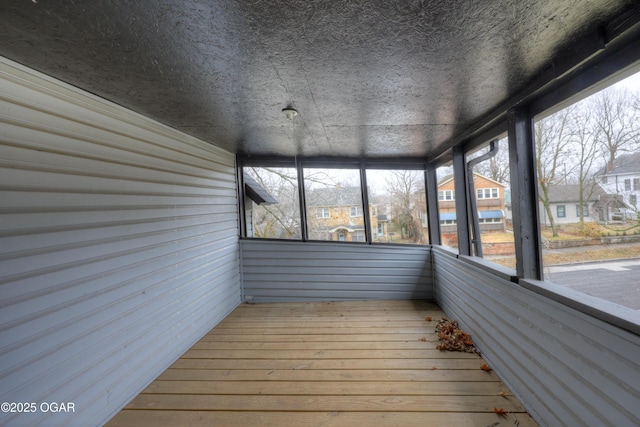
(118, 248)
(567, 367)
(330, 271)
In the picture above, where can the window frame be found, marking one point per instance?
(300, 163)
(564, 211)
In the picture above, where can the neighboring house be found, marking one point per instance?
(490, 203)
(335, 213)
(622, 177)
(564, 203)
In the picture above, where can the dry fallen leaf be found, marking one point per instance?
(423, 339)
(485, 367)
(428, 318)
(499, 411)
(503, 394)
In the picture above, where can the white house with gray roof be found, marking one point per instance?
(622, 177)
(564, 201)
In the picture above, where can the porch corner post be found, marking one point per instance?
(431, 182)
(462, 211)
(524, 194)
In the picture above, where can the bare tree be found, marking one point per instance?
(497, 167)
(553, 137)
(585, 150)
(616, 121)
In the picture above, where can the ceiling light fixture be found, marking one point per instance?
(289, 112)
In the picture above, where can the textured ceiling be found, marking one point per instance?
(368, 78)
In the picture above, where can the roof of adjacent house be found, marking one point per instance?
(256, 192)
(334, 196)
(571, 193)
(625, 164)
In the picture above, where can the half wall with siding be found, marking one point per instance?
(567, 367)
(118, 248)
(323, 271)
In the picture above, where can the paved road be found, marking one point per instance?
(617, 281)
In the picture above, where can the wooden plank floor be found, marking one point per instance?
(365, 363)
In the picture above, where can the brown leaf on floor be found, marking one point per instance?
(423, 339)
(485, 367)
(428, 318)
(500, 411)
(503, 394)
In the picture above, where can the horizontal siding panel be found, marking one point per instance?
(106, 165)
(568, 367)
(118, 248)
(47, 314)
(39, 201)
(29, 223)
(33, 243)
(319, 271)
(84, 273)
(28, 179)
(68, 257)
(132, 131)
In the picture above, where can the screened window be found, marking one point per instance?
(339, 191)
(447, 206)
(397, 199)
(272, 208)
(492, 204)
(576, 162)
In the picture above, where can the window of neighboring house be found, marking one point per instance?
(323, 213)
(340, 189)
(627, 185)
(585, 210)
(487, 193)
(355, 211)
(423, 218)
(399, 195)
(271, 202)
(446, 195)
(490, 220)
(604, 179)
(636, 184)
(561, 211)
(633, 200)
